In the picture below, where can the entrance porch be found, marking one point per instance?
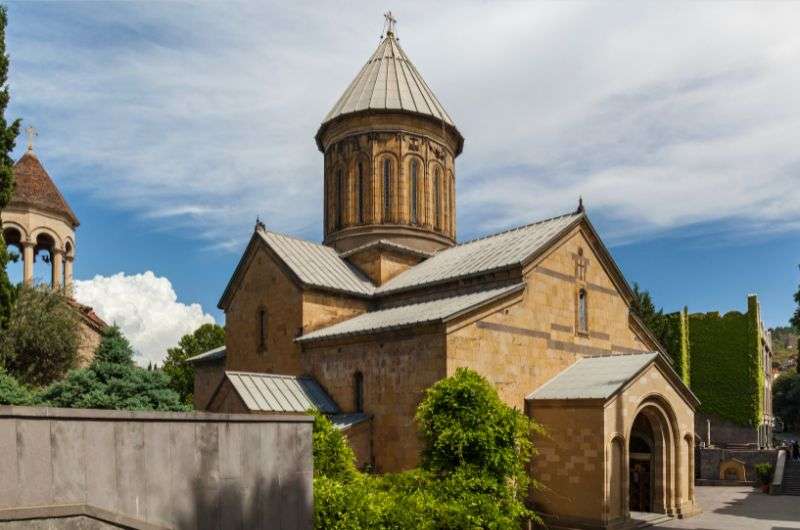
(618, 446)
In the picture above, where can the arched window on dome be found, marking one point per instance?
(360, 201)
(414, 191)
(437, 199)
(387, 187)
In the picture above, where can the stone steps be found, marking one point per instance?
(791, 479)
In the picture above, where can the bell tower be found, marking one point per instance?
(389, 158)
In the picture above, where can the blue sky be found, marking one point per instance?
(170, 126)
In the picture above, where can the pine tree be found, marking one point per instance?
(8, 136)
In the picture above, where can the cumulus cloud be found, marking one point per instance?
(661, 117)
(146, 309)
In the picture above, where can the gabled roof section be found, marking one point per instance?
(311, 264)
(280, 393)
(36, 189)
(495, 252)
(387, 245)
(440, 310)
(594, 377)
(211, 355)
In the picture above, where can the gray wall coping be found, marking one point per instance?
(10, 411)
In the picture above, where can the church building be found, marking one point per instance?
(390, 302)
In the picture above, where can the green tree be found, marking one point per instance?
(786, 399)
(8, 136)
(795, 322)
(181, 374)
(113, 381)
(645, 309)
(41, 342)
(333, 457)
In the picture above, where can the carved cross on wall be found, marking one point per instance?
(581, 264)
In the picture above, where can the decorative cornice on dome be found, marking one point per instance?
(389, 82)
(34, 188)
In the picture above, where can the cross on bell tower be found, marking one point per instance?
(32, 133)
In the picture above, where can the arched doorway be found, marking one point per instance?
(652, 460)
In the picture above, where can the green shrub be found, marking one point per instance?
(764, 472)
(475, 453)
(181, 374)
(12, 392)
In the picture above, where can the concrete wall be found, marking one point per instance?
(723, 431)
(153, 470)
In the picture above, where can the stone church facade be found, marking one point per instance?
(362, 324)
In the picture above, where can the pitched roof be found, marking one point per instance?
(594, 377)
(210, 355)
(345, 421)
(88, 315)
(281, 393)
(483, 255)
(389, 82)
(317, 265)
(35, 188)
(389, 245)
(412, 314)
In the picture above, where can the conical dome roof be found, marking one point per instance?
(34, 188)
(389, 82)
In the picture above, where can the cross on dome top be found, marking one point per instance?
(390, 23)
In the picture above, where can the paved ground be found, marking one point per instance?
(741, 508)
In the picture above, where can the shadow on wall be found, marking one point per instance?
(219, 503)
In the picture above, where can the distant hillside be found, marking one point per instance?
(784, 344)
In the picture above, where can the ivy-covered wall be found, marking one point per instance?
(719, 357)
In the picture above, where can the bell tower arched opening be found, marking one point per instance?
(14, 239)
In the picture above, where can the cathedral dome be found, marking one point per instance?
(389, 82)
(389, 159)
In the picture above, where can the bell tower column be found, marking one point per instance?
(68, 272)
(58, 268)
(27, 263)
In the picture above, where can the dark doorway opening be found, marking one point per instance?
(640, 478)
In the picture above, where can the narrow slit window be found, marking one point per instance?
(360, 201)
(414, 188)
(583, 322)
(437, 199)
(358, 392)
(340, 185)
(262, 328)
(387, 187)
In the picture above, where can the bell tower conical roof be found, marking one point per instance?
(36, 189)
(389, 82)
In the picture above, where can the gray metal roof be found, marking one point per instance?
(317, 265)
(594, 377)
(411, 314)
(281, 393)
(210, 355)
(481, 255)
(345, 421)
(389, 81)
(385, 243)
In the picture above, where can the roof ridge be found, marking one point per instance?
(267, 374)
(516, 228)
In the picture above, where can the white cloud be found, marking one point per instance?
(146, 309)
(661, 116)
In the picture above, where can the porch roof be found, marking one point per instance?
(594, 377)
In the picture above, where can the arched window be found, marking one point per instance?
(414, 190)
(358, 392)
(360, 201)
(387, 187)
(340, 198)
(437, 199)
(452, 205)
(262, 328)
(583, 321)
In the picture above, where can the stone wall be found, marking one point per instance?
(153, 470)
(710, 459)
(724, 432)
(207, 376)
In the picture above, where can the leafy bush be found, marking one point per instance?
(12, 392)
(181, 374)
(41, 342)
(473, 476)
(786, 399)
(113, 381)
(764, 472)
